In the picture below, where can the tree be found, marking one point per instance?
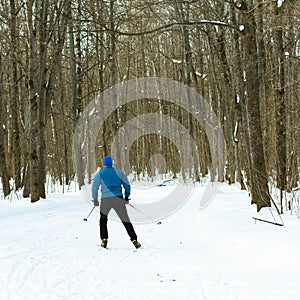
(42, 26)
(14, 103)
(3, 160)
(258, 178)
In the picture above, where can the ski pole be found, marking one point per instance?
(143, 213)
(85, 219)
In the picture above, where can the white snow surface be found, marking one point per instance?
(47, 252)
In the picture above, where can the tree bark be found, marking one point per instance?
(3, 164)
(14, 105)
(34, 147)
(280, 107)
(259, 180)
(75, 66)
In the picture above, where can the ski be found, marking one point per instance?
(164, 278)
(105, 248)
(126, 256)
(110, 249)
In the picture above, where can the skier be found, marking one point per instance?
(111, 181)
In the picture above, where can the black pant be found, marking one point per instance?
(118, 204)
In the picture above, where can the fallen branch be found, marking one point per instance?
(270, 222)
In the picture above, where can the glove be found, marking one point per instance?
(96, 202)
(126, 199)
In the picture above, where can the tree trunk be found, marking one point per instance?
(259, 180)
(14, 107)
(38, 43)
(75, 66)
(113, 56)
(34, 140)
(3, 164)
(280, 107)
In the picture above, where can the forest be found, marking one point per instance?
(242, 57)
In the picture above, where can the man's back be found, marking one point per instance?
(111, 181)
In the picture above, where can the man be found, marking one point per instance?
(111, 181)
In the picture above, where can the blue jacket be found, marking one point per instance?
(111, 181)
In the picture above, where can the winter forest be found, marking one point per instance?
(242, 57)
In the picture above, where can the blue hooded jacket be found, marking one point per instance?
(111, 181)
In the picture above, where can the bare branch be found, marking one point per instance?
(167, 26)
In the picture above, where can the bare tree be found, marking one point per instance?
(259, 178)
(3, 161)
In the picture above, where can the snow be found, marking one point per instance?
(198, 73)
(279, 3)
(91, 113)
(201, 75)
(47, 251)
(214, 22)
(236, 131)
(176, 61)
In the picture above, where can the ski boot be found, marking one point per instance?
(104, 244)
(136, 244)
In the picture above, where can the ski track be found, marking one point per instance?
(52, 254)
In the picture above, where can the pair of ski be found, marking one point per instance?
(135, 243)
(110, 249)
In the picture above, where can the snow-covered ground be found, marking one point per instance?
(47, 252)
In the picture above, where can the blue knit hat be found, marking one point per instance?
(107, 161)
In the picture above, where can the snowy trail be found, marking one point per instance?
(48, 252)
